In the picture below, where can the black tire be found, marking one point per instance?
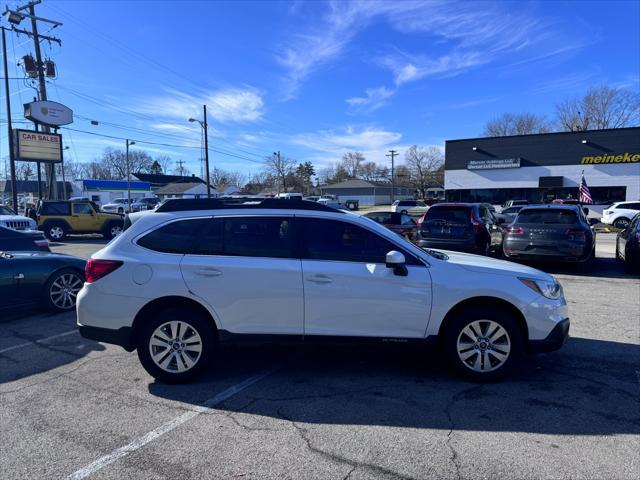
(193, 321)
(54, 296)
(404, 212)
(630, 264)
(121, 210)
(514, 338)
(621, 223)
(112, 229)
(55, 231)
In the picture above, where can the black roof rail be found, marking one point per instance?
(186, 204)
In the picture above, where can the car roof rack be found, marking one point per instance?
(186, 204)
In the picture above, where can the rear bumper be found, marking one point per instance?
(123, 336)
(556, 251)
(554, 341)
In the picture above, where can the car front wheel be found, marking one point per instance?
(482, 344)
(621, 223)
(176, 346)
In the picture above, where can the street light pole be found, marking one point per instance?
(206, 150)
(128, 143)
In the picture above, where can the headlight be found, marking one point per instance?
(552, 290)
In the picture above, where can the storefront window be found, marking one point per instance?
(600, 195)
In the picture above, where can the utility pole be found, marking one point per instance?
(15, 17)
(128, 143)
(12, 165)
(279, 169)
(180, 163)
(393, 154)
(206, 151)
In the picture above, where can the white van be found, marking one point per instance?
(290, 196)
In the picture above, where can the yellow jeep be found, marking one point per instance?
(58, 218)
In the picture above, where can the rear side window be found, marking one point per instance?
(631, 206)
(450, 215)
(56, 208)
(257, 237)
(548, 216)
(176, 237)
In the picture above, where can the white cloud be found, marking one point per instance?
(330, 145)
(232, 105)
(467, 34)
(374, 99)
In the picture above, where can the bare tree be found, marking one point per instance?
(601, 107)
(279, 166)
(165, 162)
(516, 124)
(351, 163)
(24, 171)
(424, 163)
(116, 161)
(221, 179)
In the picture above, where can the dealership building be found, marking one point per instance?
(544, 167)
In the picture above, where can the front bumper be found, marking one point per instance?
(554, 341)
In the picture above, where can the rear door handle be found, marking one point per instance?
(319, 279)
(208, 272)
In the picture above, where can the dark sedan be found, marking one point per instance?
(400, 223)
(464, 227)
(23, 240)
(628, 246)
(45, 279)
(550, 233)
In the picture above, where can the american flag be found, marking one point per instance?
(585, 195)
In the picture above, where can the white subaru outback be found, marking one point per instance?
(198, 272)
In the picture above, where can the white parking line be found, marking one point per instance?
(41, 340)
(167, 427)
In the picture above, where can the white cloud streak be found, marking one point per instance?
(374, 99)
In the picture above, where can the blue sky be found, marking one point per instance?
(317, 79)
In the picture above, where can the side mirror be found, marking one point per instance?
(585, 210)
(396, 260)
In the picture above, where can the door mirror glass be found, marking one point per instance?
(396, 260)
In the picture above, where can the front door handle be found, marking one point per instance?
(319, 279)
(19, 276)
(208, 272)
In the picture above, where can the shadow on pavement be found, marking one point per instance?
(588, 388)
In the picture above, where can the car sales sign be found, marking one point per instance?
(33, 146)
(45, 112)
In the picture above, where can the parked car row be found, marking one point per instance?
(628, 245)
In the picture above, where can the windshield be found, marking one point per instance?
(6, 210)
(548, 216)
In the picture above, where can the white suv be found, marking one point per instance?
(620, 214)
(198, 272)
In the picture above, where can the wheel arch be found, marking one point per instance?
(483, 302)
(52, 273)
(56, 221)
(172, 301)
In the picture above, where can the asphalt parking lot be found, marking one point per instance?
(76, 408)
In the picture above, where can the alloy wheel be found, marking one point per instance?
(64, 290)
(483, 346)
(56, 232)
(116, 230)
(175, 346)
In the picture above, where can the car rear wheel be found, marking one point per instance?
(621, 223)
(482, 344)
(61, 290)
(112, 229)
(176, 346)
(55, 232)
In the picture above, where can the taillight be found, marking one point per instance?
(42, 243)
(579, 235)
(97, 268)
(514, 230)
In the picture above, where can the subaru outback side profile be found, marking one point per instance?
(195, 273)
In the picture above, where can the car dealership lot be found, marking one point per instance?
(71, 405)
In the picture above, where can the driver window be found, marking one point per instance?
(81, 208)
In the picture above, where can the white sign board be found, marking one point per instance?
(492, 163)
(33, 146)
(48, 113)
